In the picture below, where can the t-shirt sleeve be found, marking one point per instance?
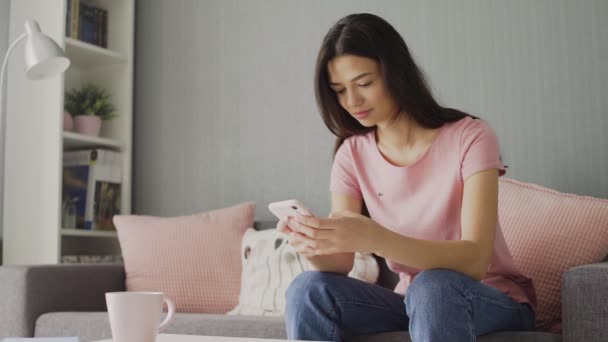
(343, 177)
(479, 149)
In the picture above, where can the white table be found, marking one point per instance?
(194, 338)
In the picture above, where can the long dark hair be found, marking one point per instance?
(367, 35)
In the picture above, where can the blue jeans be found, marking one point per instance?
(440, 305)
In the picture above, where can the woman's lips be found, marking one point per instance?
(362, 115)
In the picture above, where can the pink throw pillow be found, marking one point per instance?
(549, 232)
(195, 260)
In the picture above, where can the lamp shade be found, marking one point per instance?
(43, 57)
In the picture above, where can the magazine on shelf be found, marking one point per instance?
(91, 188)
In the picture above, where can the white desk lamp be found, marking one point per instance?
(43, 59)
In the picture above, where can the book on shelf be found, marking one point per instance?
(91, 191)
(87, 23)
(72, 15)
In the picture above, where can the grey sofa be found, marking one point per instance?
(69, 300)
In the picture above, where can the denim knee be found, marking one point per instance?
(310, 291)
(310, 306)
(433, 286)
(301, 284)
(304, 285)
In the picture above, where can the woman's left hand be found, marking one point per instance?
(344, 231)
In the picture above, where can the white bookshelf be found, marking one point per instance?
(85, 55)
(35, 141)
(72, 141)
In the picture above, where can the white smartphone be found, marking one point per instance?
(285, 209)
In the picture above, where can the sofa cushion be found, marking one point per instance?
(193, 259)
(547, 233)
(93, 326)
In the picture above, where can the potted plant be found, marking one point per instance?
(90, 105)
(68, 121)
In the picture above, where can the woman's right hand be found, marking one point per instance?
(296, 239)
(283, 227)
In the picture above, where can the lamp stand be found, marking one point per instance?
(3, 127)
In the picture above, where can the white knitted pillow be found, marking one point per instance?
(270, 263)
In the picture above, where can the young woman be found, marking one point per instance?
(427, 177)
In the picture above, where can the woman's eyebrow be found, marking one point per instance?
(354, 79)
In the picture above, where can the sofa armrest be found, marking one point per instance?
(585, 303)
(26, 292)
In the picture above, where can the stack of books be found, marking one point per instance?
(91, 192)
(87, 23)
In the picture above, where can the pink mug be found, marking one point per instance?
(135, 316)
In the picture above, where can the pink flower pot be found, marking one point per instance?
(87, 124)
(68, 122)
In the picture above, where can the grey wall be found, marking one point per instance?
(4, 25)
(4, 21)
(225, 109)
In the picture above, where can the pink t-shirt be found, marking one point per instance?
(423, 200)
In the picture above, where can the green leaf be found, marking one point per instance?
(90, 100)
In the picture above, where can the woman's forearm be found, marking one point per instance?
(338, 263)
(459, 255)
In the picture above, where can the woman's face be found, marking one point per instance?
(360, 89)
